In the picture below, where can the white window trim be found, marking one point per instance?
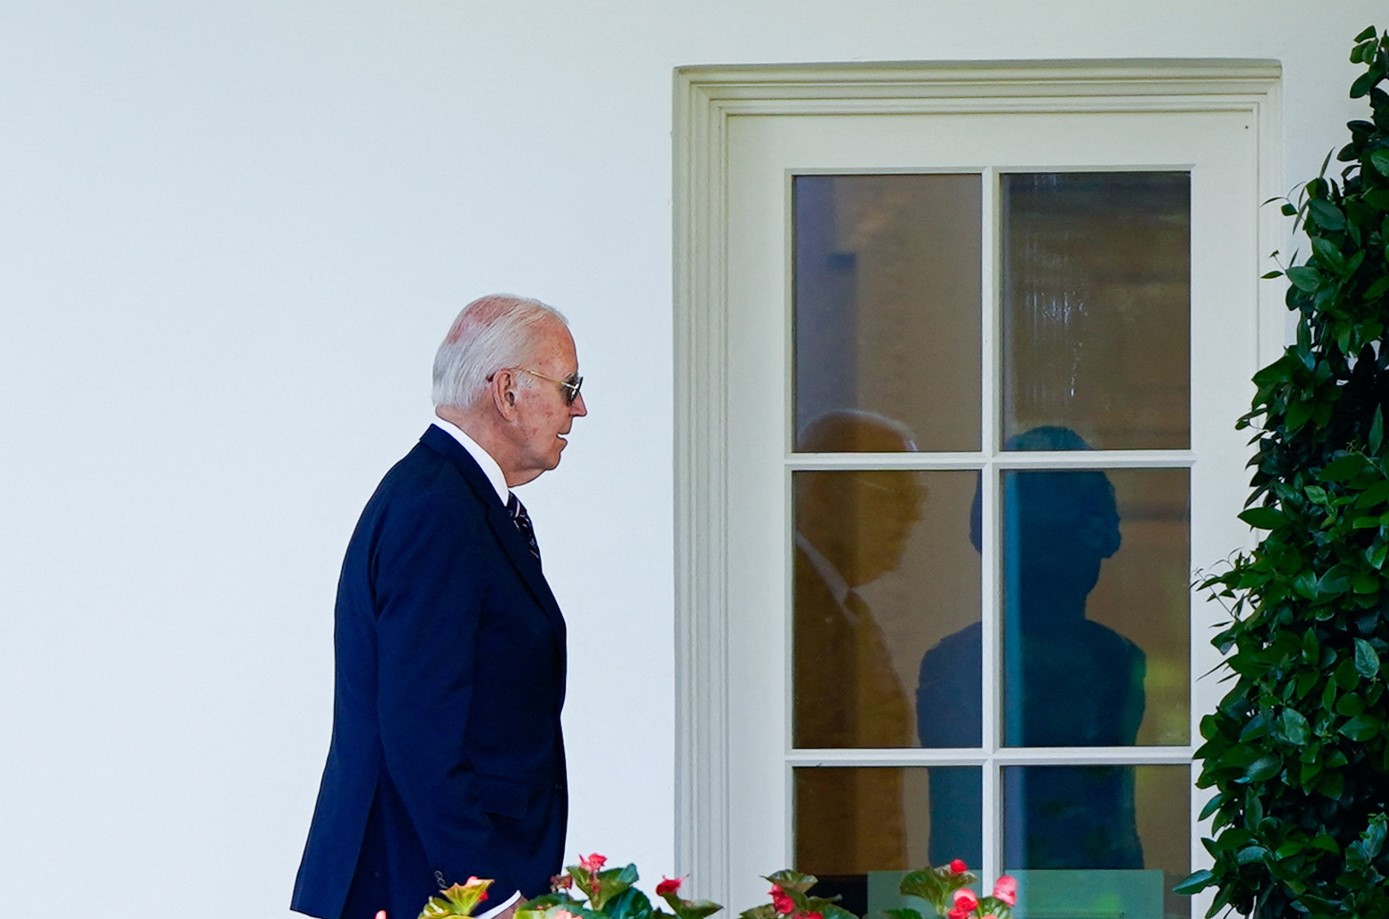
(705, 99)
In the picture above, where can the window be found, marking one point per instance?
(963, 354)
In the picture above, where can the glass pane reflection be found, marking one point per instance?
(883, 569)
(853, 820)
(1096, 625)
(1129, 819)
(887, 301)
(1096, 288)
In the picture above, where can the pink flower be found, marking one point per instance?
(957, 912)
(667, 885)
(965, 900)
(594, 863)
(1006, 889)
(812, 916)
(564, 914)
(782, 901)
(958, 866)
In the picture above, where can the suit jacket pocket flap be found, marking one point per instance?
(502, 796)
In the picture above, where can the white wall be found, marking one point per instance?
(231, 235)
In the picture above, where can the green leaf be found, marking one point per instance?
(1361, 727)
(1263, 518)
(1380, 160)
(1366, 659)
(1329, 254)
(788, 879)
(1327, 215)
(629, 904)
(1377, 431)
(1265, 767)
(1305, 278)
(1193, 883)
(1362, 84)
(698, 909)
(1345, 468)
(1295, 727)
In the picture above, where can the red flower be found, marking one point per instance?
(667, 885)
(958, 866)
(1006, 889)
(965, 900)
(811, 916)
(782, 901)
(957, 912)
(594, 863)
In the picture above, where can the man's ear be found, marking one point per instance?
(503, 389)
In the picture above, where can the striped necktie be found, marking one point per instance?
(523, 523)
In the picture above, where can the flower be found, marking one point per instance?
(563, 914)
(593, 863)
(667, 885)
(782, 901)
(965, 903)
(1006, 889)
(958, 866)
(561, 882)
(812, 916)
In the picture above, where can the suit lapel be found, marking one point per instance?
(509, 538)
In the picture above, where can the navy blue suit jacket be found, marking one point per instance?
(447, 758)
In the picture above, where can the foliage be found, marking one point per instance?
(1298, 750)
(609, 893)
(458, 900)
(950, 884)
(791, 899)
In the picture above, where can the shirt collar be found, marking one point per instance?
(834, 581)
(481, 456)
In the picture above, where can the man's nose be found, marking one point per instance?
(577, 408)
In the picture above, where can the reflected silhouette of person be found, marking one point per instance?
(1067, 681)
(851, 529)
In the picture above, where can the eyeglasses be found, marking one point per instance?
(571, 385)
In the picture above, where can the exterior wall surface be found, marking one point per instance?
(231, 235)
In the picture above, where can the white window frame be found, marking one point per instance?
(705, 99)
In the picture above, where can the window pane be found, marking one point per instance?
(887, 301)
(1096, 290)
(1130, 820)
(1096, 630)
(854, 820)
(883, 569)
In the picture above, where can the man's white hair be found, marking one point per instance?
(493, 333)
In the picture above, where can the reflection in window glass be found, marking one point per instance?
(1096, 627)
(887, 301)
(1096, 291)
(850, 821)
(883, 569)
(1130, 821)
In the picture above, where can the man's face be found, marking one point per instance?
(543, 412)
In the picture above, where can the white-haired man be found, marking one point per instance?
(447, 759)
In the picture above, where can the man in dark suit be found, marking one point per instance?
(852, 528)
(447, 759)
